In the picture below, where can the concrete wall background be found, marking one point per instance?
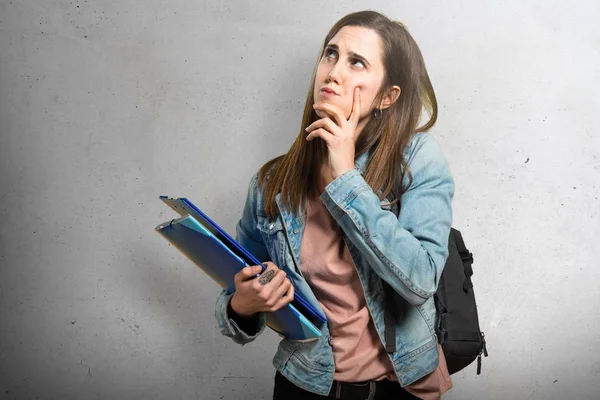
(105, 105)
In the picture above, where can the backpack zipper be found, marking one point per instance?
(484, 351)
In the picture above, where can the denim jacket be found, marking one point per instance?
(408, 252)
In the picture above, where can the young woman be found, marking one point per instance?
(320, 219)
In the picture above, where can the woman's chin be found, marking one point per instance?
(321, 113)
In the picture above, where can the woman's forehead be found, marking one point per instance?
(358, 39)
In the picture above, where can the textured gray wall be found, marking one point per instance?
(105, 105)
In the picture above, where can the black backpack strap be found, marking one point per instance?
(466, 257)
(389, 312)
(440, 300)
(389, 318)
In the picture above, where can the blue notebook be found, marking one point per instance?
(183, 206)
(203, 248)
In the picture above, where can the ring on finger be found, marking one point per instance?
(266, 277)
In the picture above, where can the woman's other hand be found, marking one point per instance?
(267, 293)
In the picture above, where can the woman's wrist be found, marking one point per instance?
(236, 309)
(341, 172)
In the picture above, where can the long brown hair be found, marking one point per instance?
(385, 137)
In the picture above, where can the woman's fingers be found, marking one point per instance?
(268, 281)
(278, 278)
(334, 111)
(336, 124)
(272, 292)
(322, 133)
(248, 272)
(244, 277)
(285, 300)
(264, 293)
(325, 123)
(282, 289)
(355, 114)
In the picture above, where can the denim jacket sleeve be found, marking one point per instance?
(249, 237)
(408, 251)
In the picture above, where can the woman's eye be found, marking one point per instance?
(358, 63)
(330, 53)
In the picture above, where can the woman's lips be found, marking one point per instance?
(328, 92)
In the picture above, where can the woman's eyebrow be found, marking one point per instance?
(351, 53)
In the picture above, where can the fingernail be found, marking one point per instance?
(306, 129)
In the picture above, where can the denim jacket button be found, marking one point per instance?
(295, 231)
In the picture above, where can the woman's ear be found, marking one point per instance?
(392, 94)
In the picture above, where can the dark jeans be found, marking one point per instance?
(286, 390)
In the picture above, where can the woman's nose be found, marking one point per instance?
(335, 74)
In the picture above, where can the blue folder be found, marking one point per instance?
(217, 260)
(206, 251)
(183, 206)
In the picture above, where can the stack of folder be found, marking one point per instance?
(208, 246)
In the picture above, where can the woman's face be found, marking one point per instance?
(353, 58)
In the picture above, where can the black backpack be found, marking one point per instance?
(457, 323)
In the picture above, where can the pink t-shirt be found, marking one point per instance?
(358, 352)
